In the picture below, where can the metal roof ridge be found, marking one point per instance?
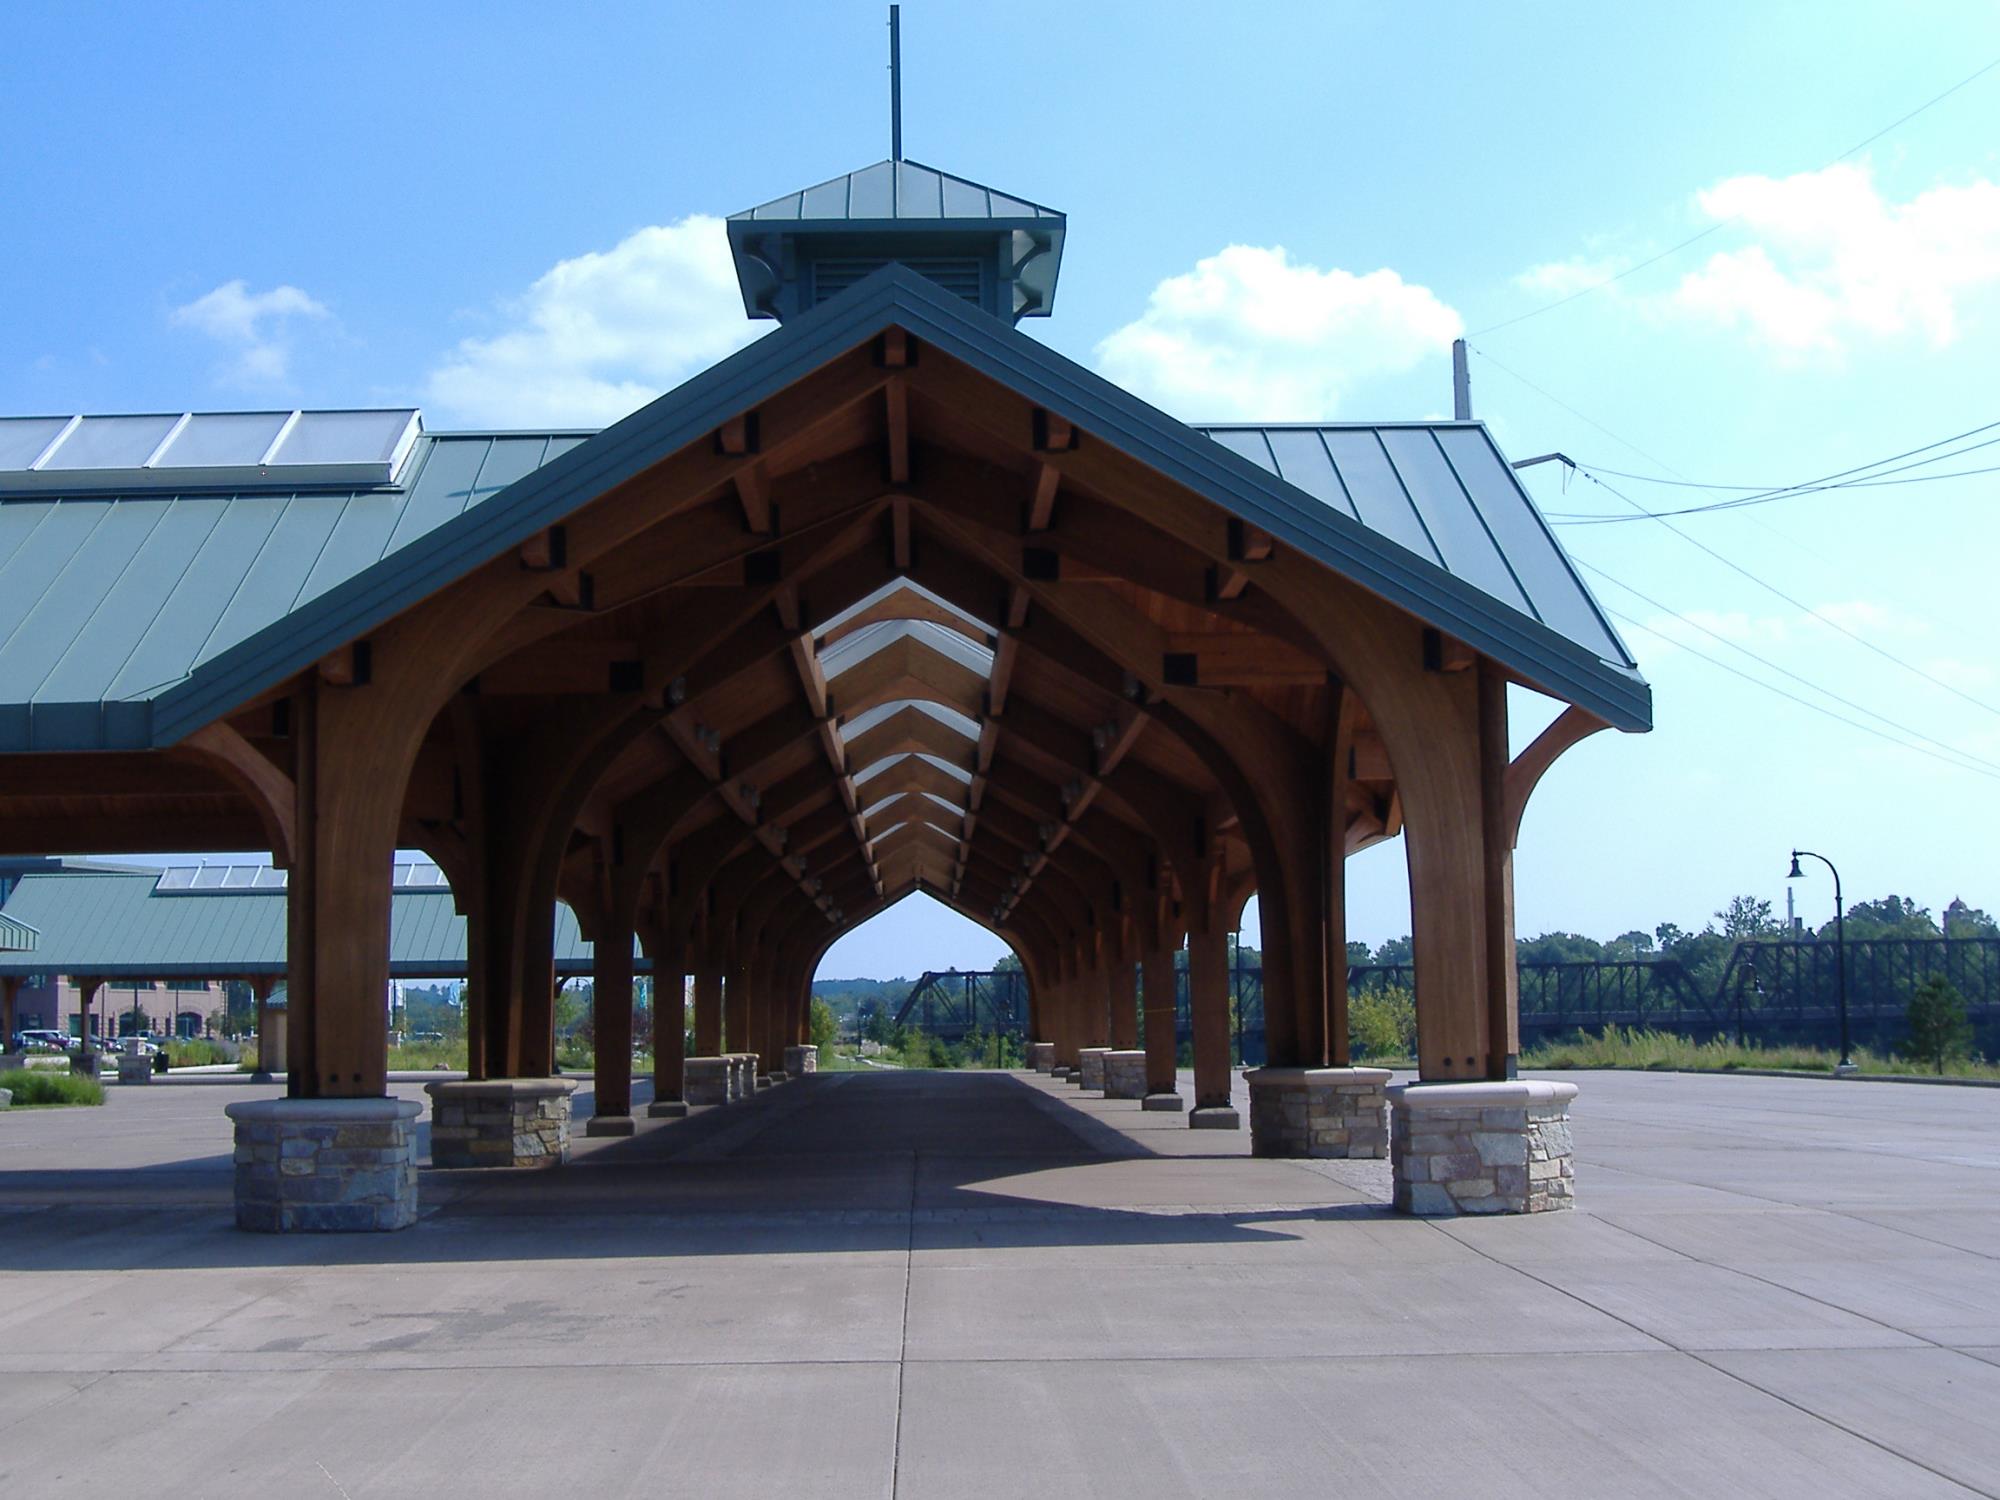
(895, 295)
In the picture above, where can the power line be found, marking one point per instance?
(1802, 702)
(1698, 236)
(1771, 588)
(1872, 476)
(1772, 489)
(1762, 661)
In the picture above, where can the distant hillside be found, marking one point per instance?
(844, 996)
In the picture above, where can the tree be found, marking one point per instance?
(825, 1029)
(1746, 917)
(1890, 917)
(1962, 921)
(1395, 951)
(1939, 1030)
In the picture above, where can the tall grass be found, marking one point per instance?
(1632, 1047)
(45, 1087)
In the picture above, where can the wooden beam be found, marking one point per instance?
(753, 493)
(1005, 655)
(1042, 502)
(1237, 659)
(896, 397)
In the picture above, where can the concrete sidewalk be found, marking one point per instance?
(987, 1285)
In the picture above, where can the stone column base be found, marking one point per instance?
(500, 1122)
(667, 1109)
(705, 1080)
(89, 1064)
(1125, 1075)
(134, 1067)
(1090, 1067)
(1062, 1072)
(1325, 1112)
(325, 1164)
(742, 1075)
(1481, 1148)
(610, 1125)
(800, 1061)
(1164, 1103)
(1041, 1056)
(1214, 1117)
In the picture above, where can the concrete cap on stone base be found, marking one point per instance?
(1306, 1077)
(500, 1088)
(375, 1111)
(1508, 1093)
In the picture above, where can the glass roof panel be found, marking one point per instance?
(918, 195)
(22, 439)
(345, 437)
(869, 193)
(111, 442)
(222, 439)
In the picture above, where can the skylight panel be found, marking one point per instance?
(223, 439)
(110, 443)
(23, 439)
(347, 437)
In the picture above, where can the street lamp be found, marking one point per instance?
(1846, 1064)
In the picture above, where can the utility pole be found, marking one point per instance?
(896, 82)
(1461, 383)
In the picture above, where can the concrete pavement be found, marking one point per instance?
(985, 1285)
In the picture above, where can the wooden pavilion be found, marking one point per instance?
(896, 599)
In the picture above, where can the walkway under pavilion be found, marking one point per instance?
(894, 600)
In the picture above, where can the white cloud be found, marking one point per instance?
(1580, 273)
(255, 326)
(1833, 258)
(1249, 334)
(597, 337)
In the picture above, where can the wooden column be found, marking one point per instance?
(611, 1014)
(1503, 998)
(269, 1058)
(87, 986)
(1123, 991)
(1162, 1054)
(669, 1018)
(736, 1005)
(707, 1006)
(1208, 1001)
(10, 990)
(338, 896)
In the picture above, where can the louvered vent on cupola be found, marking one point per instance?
(959, 275)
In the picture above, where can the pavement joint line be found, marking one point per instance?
(1776, 1285)
(1783, 1204)
(903, 1349)
(1707, 1362)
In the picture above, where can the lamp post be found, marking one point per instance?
(1846, 1064)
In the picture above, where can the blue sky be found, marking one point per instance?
(1280, 210)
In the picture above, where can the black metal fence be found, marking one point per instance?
(1772, 992)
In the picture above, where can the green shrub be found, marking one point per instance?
(193, 1052)
(1382, 1022)
(1939, 1030)
(44, 1086)
(825, 1029)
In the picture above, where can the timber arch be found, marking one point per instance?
(895, 599)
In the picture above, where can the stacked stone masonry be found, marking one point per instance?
(500, 1122)
(1339, 1113)
(1125, 1075)
(1482, 1148)
(707, 1080)
(1042, 1056)
(325, 1164)
(1090, 1067)
(800, 1061)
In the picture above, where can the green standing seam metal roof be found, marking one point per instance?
(17, 936)
(134, 924)
(218, 607)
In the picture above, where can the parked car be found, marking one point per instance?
(144, 1041)
(57, 1041)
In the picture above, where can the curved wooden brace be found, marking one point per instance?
(271, 792)
(1572, 726)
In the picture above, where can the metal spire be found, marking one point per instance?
(896, 82)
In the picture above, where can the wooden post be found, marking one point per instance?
(1208, 1001)
(611, 1015)
(270, 1057)
(1124, 995)
(1162, 1051)
(10, 990)
(669, 1018)
(87, 987)
(707, 1006)
(1503, 998)
(736, 1005)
